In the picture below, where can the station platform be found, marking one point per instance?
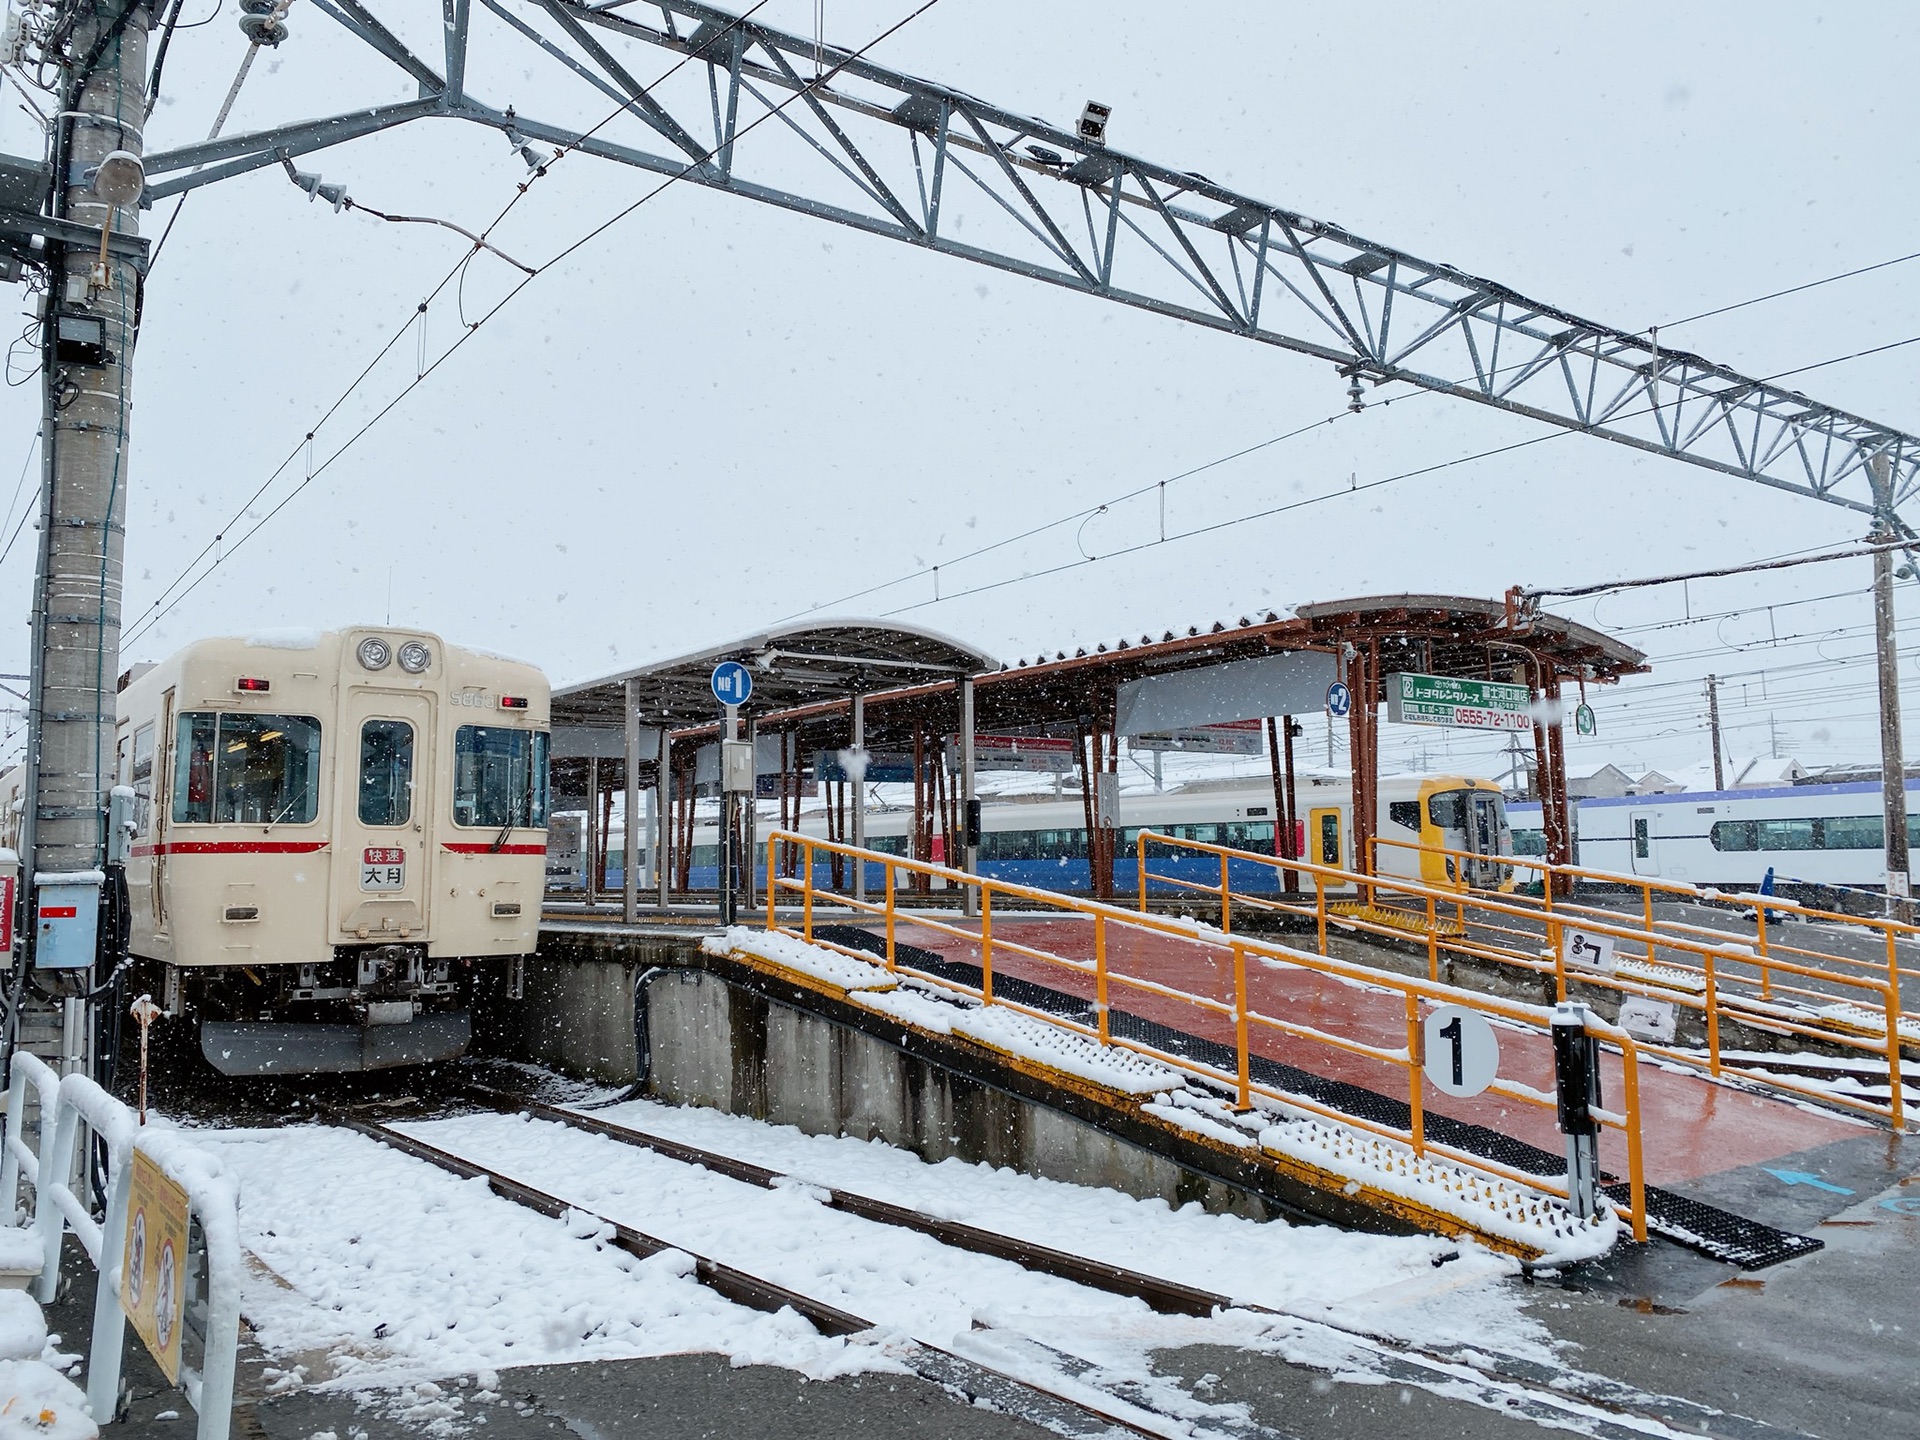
(1693, 1126)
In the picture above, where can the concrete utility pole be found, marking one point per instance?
(1893, 764)
(87, 344)
(1713, 724)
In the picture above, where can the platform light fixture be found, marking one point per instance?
(1093, 122)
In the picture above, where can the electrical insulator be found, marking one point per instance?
(263, 21)
(1355, 402)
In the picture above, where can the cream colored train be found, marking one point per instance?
(336, 838)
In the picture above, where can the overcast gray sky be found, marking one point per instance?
(718, 414)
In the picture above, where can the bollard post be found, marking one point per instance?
(1576, 1077)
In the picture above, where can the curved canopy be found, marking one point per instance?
(792, 665)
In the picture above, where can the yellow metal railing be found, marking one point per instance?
(1878, 932)
(1402, 995)
(1723, 977)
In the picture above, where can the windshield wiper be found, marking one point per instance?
(500, 840)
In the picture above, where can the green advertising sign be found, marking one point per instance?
(1450, 700)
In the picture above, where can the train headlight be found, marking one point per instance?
(375, 653)
(415, 657)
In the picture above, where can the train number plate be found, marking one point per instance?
(383, 868)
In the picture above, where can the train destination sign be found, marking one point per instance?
(1450, 700)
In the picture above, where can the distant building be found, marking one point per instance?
(1744, 773)
(1655, 783)
(1605, 782)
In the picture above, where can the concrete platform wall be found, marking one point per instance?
(715, 1044)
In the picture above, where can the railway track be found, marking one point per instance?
(1076, 1397)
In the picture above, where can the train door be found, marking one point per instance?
(383, 877)
(1328, 844)
(1484, 823)
(162, 810)
(1640, 845)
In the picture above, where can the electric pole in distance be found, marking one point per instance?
(1893, 765)
(1713, 724)
(94, 147)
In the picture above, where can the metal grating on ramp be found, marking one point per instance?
(1750, 1244)
(1719, 1234)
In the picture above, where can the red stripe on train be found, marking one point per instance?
(484, 847)
(232, 847)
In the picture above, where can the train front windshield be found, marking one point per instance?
(500, 777)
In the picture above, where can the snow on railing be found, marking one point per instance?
(17, 1157)
(78, 1106)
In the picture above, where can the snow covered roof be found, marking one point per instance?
(792, 665)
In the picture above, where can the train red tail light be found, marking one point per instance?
(513, 702)
(252, 685)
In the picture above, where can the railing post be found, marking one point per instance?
(1636, 1172)
(1433, 941)
(1896, 1109)
(1226, 914)
(806, 892)
(1100, 979)
(56, 1164)
(1244, 1102)
(1713, 1018)
(986, 944)
(109, 1320)
(773, 884)
(1559, 957)
(1140, 854)
(890, 916)
(1416, 1067)
(1320, 907)
(1766, 975)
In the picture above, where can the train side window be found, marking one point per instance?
(386, 772)
(1734, 835)
(1405, 813)
(1330, 838)
(142, 778)
(1642, 839)
(247, 769)
(1852, 832)
(1529, 842)
(1786, 834)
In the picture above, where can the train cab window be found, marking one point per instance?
(386, 772)
(499, 777)
(247, 769)
(1448, 809)
(1405, 813)
(1330, 837)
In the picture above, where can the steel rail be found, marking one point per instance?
(1524, 1388)
(1169, 1297)
(932, 1363)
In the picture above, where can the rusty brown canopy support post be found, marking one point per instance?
(1560, 837)
(1089, 777)
(1363, 744)
(1280, 838)
(1109, 815)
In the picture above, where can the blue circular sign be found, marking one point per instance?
(732, 682)
(1339, 699)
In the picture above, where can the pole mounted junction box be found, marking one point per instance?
(736, 767)
(67, 919)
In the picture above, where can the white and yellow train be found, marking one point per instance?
(335, 836)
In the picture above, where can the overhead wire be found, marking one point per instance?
(159, 610)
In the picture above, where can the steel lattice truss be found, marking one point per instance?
(916, 161)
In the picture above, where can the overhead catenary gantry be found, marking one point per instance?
(792, 122)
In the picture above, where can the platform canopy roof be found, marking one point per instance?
(1431, 634)
(793, 666)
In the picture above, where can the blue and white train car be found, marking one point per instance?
(1811, 837)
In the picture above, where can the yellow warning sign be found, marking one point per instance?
(153, 1276)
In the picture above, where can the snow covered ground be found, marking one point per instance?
(370, 1269)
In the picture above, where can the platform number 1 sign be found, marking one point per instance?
(1463, 1054)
